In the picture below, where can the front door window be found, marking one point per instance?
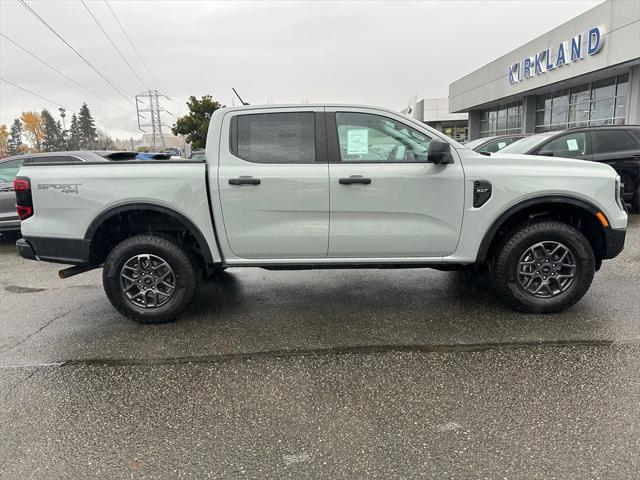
(374, 139)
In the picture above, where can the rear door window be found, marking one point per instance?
(274, 137)
(612, 140)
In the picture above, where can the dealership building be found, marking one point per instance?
(435, 113)
(584, 72)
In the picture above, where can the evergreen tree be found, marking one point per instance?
(87, 128)
(52, 140)
(75, 134)
(64, 137)
(15, 137)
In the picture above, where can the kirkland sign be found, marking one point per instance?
(566, 52)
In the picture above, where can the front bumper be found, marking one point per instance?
(614, 238)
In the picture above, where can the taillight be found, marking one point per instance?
(24, 201)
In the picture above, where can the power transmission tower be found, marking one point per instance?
(149, 103)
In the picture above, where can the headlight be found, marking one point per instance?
(619, 187)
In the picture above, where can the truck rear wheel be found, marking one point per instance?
(543, 267)
(149, 279)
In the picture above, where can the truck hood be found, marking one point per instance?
(539, 161)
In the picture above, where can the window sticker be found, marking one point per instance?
(501, 145)
(358, 141)
(572, 144)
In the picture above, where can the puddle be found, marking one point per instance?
(19, 289)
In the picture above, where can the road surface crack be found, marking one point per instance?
(33, 334)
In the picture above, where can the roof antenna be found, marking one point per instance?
(241, 101)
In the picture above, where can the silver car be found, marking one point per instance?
(9, 167)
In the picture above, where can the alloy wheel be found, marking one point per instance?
(546, 269)
(147, 281)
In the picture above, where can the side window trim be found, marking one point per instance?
(319, 134)
(334, 143)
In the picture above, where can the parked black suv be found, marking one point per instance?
(618, 146)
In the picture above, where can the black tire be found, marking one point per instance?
(184, 274)
(505, 265)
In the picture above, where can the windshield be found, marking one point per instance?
(527, 143)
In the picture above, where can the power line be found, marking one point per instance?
(60, 105)
(33, 93)
(114, 45)
(124, 31)
(115, 87)
(60, 73)
(132, 45)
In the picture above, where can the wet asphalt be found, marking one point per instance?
(320, 374)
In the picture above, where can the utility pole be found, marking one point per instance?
(149, 103)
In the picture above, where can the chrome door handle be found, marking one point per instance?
(244, 181)
(354, 179)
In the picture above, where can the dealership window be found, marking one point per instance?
(599, 103)
(501, 120)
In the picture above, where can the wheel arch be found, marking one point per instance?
(117, 214)
(547, 206)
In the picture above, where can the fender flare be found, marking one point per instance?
(488, 237)
(154, 207)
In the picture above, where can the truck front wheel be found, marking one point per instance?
(149, 279)
(543, 267)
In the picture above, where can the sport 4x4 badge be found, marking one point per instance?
(71, 188)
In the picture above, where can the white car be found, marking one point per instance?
(323, 186)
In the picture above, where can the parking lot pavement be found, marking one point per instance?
(334, 374)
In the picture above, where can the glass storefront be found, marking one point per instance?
(599, 103)
(459, 132)
(501, 120)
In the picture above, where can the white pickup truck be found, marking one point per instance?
(323, 186)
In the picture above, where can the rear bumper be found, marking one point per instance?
(25, 250)
(70, 251)
(614, 238)
(10, 225)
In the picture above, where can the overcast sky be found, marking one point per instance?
(378, 53)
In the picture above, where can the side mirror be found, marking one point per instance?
(484, 152)
(439, 152)
(545, 153)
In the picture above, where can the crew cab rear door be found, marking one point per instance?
(273, 181)
(387, 201)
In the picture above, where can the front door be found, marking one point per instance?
(273, 180)
(386, 200)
